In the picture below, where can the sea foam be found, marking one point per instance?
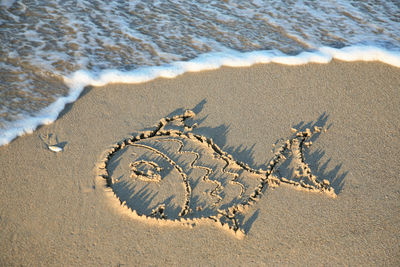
(78, 80)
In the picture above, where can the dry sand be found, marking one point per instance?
(55, 212)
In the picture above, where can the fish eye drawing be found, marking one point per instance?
(172, 176)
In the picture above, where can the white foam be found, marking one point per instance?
(363, 53)
(79, 79)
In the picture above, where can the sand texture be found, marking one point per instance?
(266, 165)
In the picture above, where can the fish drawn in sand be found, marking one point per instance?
(172, 176)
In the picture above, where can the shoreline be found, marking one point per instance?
(79, 80)
(55, 211)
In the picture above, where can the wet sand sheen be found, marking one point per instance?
(55, 211)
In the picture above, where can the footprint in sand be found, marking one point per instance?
(172, 176)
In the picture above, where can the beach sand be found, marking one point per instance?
(55, 211)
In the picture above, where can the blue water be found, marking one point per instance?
(50, 50)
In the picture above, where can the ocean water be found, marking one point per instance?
(50, 50)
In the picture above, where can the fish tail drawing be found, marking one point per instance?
(295, 147)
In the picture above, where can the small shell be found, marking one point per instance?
(55, 148)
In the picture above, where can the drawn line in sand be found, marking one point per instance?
(214, 193)
(233, 186)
